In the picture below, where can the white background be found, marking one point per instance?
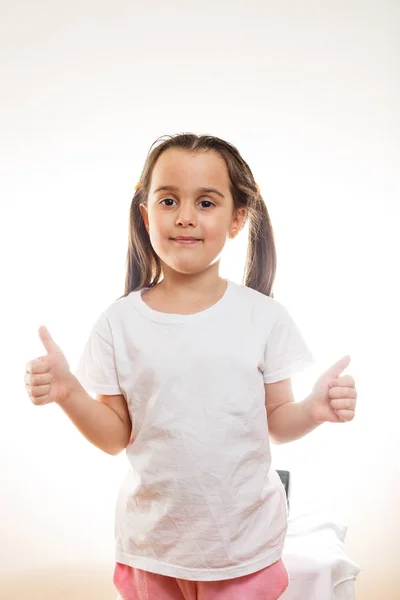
(309, 94)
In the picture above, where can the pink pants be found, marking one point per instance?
(135, 584)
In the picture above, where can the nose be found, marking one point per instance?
(186, 216)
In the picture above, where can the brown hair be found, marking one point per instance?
(143, 266)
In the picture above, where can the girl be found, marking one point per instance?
(191, 374)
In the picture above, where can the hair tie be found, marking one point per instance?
(258, 189)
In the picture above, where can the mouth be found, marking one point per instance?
(186, 240)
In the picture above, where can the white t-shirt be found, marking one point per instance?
(200, 500)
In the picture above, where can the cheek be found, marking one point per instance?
(159, 226)
(158, 238)
(216, 231)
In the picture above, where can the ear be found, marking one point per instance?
(238, 222)
(145, 215)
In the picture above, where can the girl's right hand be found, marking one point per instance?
(48, 378)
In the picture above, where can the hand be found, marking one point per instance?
(48, 378)
(333, 398)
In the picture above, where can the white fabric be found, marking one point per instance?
(314, 556)
(200, 500)
(345, 590)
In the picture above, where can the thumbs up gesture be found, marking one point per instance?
(334, 397)
(48, 378)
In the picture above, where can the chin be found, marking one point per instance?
(186, 267)
(187, 270)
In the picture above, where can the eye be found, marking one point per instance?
(202, 202)
(209, 202)
(165, 199)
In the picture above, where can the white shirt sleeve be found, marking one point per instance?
(286, 352)
(96, 370)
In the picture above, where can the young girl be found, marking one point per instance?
(191, 374)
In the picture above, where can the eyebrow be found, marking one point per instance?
(203, 190)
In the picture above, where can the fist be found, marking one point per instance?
(48, 378)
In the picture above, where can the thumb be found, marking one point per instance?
(339, 366)
(48, 341)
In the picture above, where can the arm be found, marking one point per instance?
(104, 422)
(287, 420)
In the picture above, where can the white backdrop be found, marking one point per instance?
(309, 93)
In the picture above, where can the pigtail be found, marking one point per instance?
(260, 267)
(143, 267)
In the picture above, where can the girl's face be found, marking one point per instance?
(190, 208)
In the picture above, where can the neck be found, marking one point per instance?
(195, 286)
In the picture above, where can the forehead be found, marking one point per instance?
(186, 169)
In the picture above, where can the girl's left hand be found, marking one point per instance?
(333, 398)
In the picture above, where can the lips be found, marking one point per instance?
(186, 240)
